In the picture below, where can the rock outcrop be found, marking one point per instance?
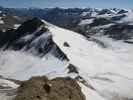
(41, 88)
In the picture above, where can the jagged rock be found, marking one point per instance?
(66, 44)
(29, 26)
(72, 69)
(40, 88)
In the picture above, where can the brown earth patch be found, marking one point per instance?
(41, 88)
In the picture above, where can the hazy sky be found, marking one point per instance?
(67, 3)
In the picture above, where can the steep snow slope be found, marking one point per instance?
(108, 71)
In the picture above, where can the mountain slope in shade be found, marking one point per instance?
(104, 73)
(33, 46)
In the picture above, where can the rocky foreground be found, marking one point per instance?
(41, 88)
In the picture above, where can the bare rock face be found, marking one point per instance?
(40, 88)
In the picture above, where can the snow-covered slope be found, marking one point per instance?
(23, 65)
(108, 72)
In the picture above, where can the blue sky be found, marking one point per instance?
(67, 3)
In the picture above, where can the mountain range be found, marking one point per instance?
(92, 46)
